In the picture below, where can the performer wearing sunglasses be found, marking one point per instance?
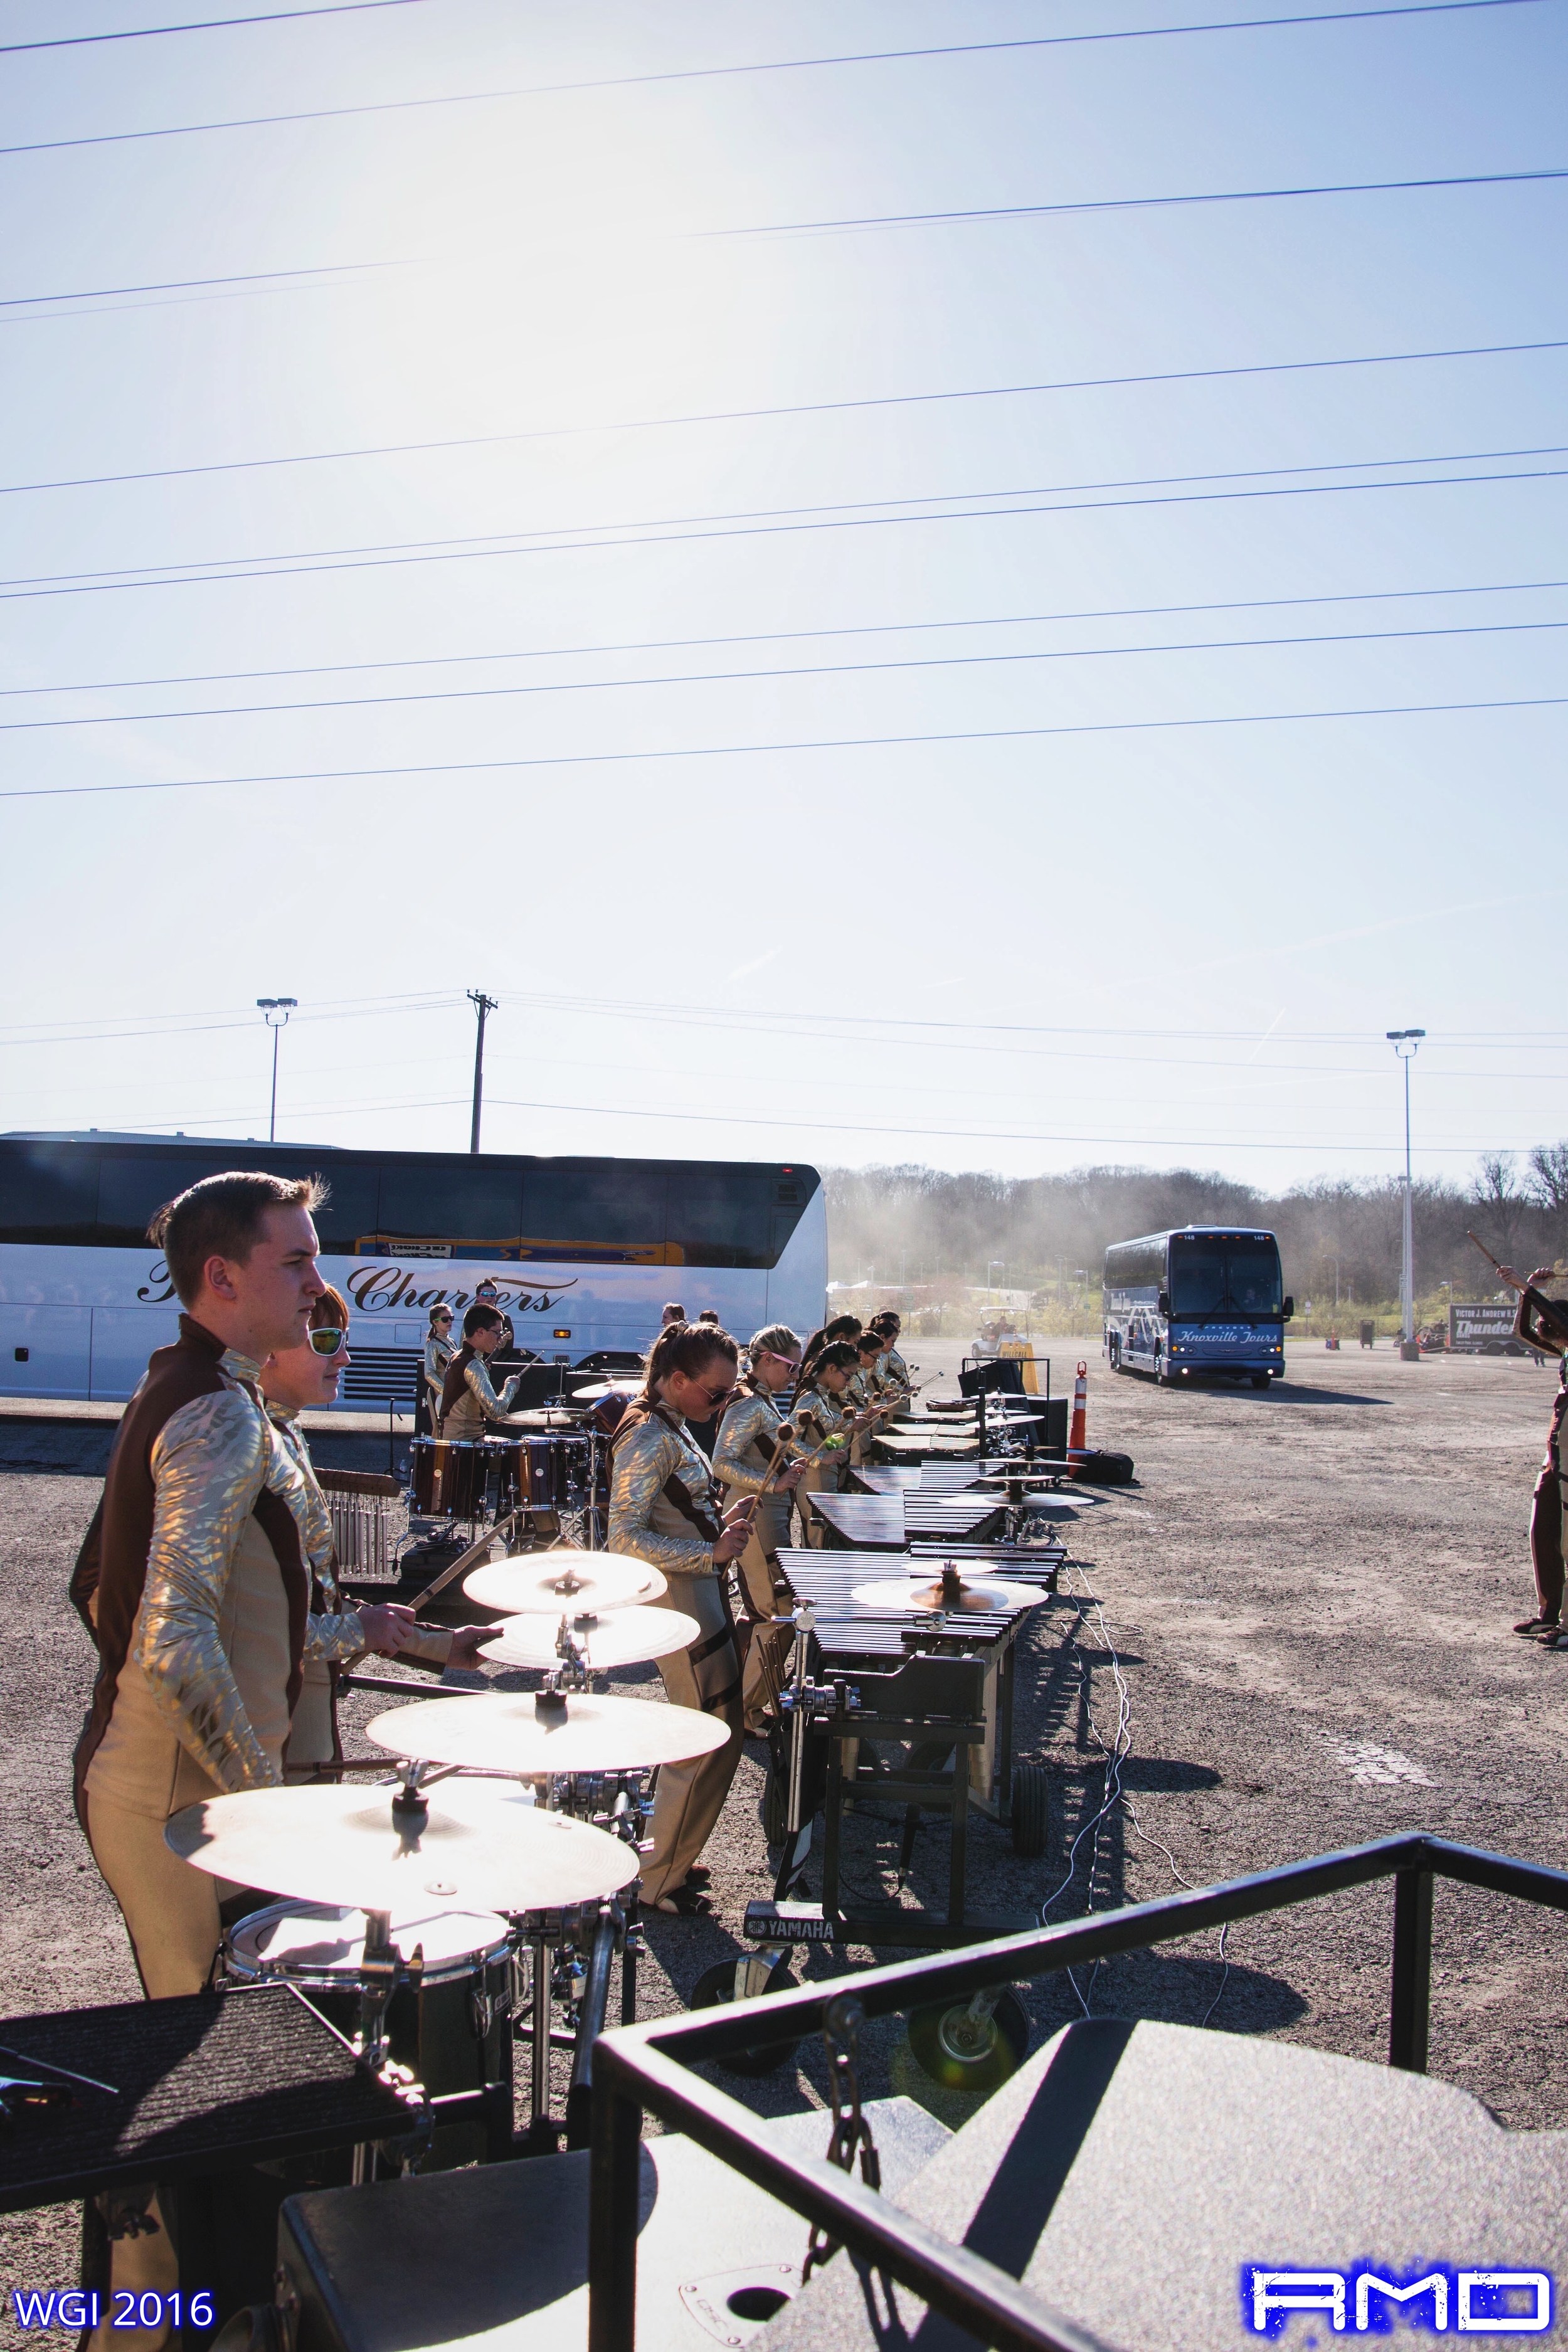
(743, 1461)
(665, 1509)
(439, 1352)
(467, 1399)
(295, 1380)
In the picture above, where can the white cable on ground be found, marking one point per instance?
(1114, 1795)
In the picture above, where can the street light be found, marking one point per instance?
(275, 1012)
(1405, 1043)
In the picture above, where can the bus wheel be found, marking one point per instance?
(1260, 1380)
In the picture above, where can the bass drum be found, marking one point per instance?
(451, 2025)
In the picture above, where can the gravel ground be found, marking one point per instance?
(1300, 1616)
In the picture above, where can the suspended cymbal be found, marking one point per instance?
(628, 1385)
(623, 1637)
(508, 1732)
(1030, 1474)
(563, 1583)
(480, 1846)
(957, 1597)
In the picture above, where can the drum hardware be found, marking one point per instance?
(546, 1584)
(590, 1643)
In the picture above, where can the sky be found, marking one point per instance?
(836, 714)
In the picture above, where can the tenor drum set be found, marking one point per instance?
(485, 1888)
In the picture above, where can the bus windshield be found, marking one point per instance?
(1224, 1275)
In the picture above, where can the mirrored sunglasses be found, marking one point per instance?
(326, 1340)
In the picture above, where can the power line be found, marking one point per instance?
(669, 531)
(1122, 203)
(745, 676)
(209, 25)
(788, 636)
(772, 65)
(181, 285)
(725, 415)
(742, 751)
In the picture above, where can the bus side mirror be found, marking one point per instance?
(1165, 1303)
(1290, 1308)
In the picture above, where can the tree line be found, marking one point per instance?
(912, 1224)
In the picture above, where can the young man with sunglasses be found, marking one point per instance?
(300, 1380)
(468, 1400)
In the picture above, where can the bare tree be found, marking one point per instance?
(1547, 1183)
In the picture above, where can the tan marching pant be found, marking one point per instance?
(170, 1909)
(172, 1918)
(816, 1481)
(690, 1797)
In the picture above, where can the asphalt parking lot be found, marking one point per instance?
(1292, 1633)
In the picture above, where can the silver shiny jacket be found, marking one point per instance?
(748, 1436)
(211, 1463)
(642, 1519)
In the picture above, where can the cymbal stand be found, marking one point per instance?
(795, 1701)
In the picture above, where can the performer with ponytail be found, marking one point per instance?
(665, 1509)
(750, 1460)
(822, 1412)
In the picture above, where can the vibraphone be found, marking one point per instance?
(942, 1682)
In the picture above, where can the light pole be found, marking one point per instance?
(1405, 1043)
(275, 1012)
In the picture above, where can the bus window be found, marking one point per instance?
(1197, 1276)
(607, 1204)
(457, 1201)
(1255, 1282)
(723, 1218)
(49, 1192)
(131, 1189)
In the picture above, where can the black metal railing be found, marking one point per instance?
(647, 2067)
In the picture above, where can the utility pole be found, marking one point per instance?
(275, 1012)
(1405, 1043)
(482, 1005)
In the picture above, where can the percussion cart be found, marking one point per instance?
(940, 1680)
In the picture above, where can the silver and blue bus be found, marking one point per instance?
(584, 1252)
(1196, 1300)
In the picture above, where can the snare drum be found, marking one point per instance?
(449, 1476)
(453, 2027)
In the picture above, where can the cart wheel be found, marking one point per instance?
(775, 1809)
(716, 1985)
(967, 2053)
(1031, 1809)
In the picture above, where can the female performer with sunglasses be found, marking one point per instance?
(742, 1458)
(665, 1509)
(439, 1350)
(305, 1378)
(824, 1417)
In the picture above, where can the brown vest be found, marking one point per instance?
(111, 1566)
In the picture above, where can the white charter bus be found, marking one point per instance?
(584, 1252)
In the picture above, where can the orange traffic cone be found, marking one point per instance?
(1079, 1412)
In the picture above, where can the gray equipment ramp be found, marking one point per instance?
(1128, 2171)
(500, 2252)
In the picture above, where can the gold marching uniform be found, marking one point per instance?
(468, 1400)
(314, 1746)
(817, 1417)
(438, 1355)
(748, 1440)
(664, 1510)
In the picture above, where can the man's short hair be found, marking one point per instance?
(222, 1217)
(481, 1319)
(673, 1312)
